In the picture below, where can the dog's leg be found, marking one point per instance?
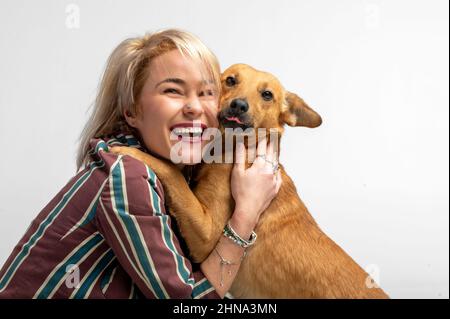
(213, 191)
(202, 219)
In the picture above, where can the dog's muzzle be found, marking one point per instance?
(236, 115)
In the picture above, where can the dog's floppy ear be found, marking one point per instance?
(297, 113)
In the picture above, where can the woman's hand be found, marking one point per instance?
(254, 188)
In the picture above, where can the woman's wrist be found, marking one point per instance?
(242, 224)
(222, 265)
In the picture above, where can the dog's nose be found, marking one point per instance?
(239, 106)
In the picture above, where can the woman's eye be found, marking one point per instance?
(230, 81)
(174, 91)
(207, 93)
(267, 95)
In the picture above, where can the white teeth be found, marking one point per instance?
(187, 130)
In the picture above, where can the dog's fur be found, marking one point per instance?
(292, 257)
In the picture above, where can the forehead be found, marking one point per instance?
(250, 76)
(173, 64)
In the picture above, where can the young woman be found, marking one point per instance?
(107, 234)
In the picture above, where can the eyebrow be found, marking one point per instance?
(171, 80)
(179, 81)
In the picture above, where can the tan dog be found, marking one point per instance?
(292, 257)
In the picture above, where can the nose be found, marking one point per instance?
(193, 108)
(239, 106)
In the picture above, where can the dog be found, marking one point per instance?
(293, 257)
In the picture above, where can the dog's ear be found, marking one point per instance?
(296, 112)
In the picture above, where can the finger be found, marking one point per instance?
(261, 153)
(279, 181)
(269, 151)
(240, 156)
(262, 146)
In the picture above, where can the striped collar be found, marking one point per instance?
(123, 139)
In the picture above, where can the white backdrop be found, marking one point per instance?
(375, 175)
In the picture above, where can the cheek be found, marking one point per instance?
(157, 112)
(153, 128)
(271, 118)
(263, 115)
(212, 111)
(152, 116)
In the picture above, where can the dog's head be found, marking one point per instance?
(256, 99)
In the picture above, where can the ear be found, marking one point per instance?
(130, 118)
(296, 112)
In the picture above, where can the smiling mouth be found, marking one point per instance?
(188, 134)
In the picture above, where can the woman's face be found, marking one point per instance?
(176, 104)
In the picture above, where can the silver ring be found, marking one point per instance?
(274, 164)
(275, 168)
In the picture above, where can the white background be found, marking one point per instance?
(374, 175)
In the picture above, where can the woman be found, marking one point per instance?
(107, 234)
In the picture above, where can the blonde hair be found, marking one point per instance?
(125, 74)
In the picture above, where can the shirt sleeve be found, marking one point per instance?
(133, 221)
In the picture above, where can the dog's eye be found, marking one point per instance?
(267, 95)
(230, 81)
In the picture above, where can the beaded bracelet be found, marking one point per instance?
(230, 233)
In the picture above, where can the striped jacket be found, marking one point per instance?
(106, 234)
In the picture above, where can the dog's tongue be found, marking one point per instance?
(234, 119)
